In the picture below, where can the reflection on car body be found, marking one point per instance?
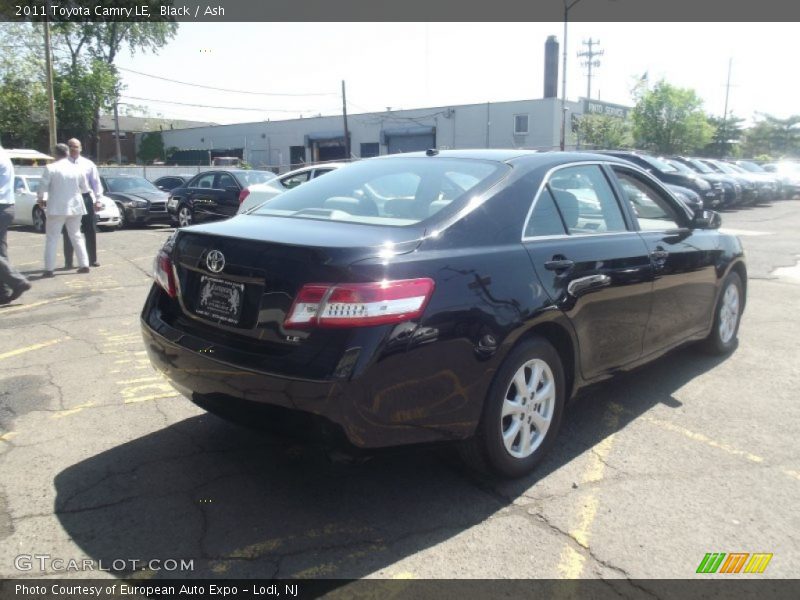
(458, 295)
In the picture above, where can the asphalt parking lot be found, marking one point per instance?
(101, 459)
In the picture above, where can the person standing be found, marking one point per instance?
(89, 220)
(65, 184)
(12, 283)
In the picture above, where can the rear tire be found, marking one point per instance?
(39, 220)
(727, 316)
(123, 218)
(185, 216)
(522, 412)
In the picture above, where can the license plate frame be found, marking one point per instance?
(220, 300)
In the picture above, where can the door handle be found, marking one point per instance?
(581, 285)
(558, 265)
(659, 254)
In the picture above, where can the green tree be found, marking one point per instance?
(80, 91)
(727, 137)
(604, 131)
(103, 41)
(670, 120)
(152, 147)
(23, 101)
(773, 136)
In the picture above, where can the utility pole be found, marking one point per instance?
(116, 130)
(49, 77)
(344, 116)
(590, 62)
(725, 113)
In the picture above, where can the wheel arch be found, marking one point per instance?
(558, 335)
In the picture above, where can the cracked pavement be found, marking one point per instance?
(101, 459)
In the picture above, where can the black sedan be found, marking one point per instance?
(459, 295)
(138, 200)
(212, 195)
(167, 183)
(711, 193)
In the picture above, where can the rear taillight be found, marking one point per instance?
(163, 274)
(359, 304)
(243, 194)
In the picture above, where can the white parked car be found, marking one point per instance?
(27, 212)
(259, 193)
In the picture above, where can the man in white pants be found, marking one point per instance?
(65, 184)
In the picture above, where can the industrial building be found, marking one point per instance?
(285, 144)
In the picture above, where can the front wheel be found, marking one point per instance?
(123, 218)
(727, 315)
(522, 413)
(39, 220)
(185, 216)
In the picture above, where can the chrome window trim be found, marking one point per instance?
(538, 194)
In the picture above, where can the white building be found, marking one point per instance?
(533, 124)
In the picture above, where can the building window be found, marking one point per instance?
(520, 124)
(369, 150)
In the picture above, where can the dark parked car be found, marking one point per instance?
(731, 189)
(764, 189)
(459, 295)
(772, 183)
(138, 200)
(168, 183)
(711, 193)
(749, 193)
(735, 191)
(212, 195)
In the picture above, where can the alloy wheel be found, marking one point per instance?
(184, 216)
(729, 313)
(528, 408)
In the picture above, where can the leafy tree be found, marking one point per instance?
(80, 91)
(152, 147)
(727, 136)
(670, 120)
(604, 131)
(773, 136)
(102, 41)
(23, 100)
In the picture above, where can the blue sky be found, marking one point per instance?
(412, 65)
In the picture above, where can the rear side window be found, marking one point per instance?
(204, 181)
(586, 201)
(395, 192)
(545, 219)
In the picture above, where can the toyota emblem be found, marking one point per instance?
(215, 261)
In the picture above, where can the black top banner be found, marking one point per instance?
(400, 10)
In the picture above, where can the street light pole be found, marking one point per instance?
(567, 6)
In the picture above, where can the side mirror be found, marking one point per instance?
(706, 219)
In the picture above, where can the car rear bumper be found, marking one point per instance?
(390, 403)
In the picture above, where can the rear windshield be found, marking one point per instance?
(393, 191)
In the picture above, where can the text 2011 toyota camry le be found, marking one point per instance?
(459, 295)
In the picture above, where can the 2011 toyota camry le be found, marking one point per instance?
(454, 295)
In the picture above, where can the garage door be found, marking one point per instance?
(410, 143)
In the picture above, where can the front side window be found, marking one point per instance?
(585, 200)
(204, 181)
(395, 192)
(652, 210)
(520, 124)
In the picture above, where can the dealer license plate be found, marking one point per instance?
(220, 300)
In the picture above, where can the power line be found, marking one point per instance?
(208, 87)
(298, 111)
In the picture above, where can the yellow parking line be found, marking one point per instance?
(142, 380)
(6, 311)
(8, 435)
(71, 411)
(151, 397)
(704, 439)
(571, 563)
(32, 348)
